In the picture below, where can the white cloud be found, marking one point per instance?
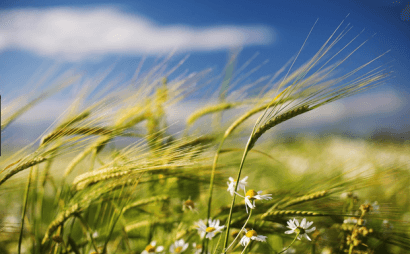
(75, 33)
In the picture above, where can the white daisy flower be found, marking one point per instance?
(189, 204)
(252, 195)
(232, 184)
(301, 229)
(251, 235)
(179, 246)
(151, 248)
(210, 231)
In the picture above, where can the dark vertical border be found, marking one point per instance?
(0, 125)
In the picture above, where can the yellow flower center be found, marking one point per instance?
(198, 247)
(150, 248)
(178, 249)
(251, 233)
(210, 229)
(251, 193)
(190, 203)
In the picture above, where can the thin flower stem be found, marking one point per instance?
(244, 249)
(236, 188)
(211, 184)
(217, 245)
(239, 233)
(296, 237)
(23, 215)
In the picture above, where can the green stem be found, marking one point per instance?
(236, 188)
(213, 176)
(217, 245)
(296, 237)
(24, 210)
(351, 249)
(88, 230)
(244, 249)
(211, 185)
(113, 223)
(239, 233)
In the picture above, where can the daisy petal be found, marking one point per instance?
(302, 224)
(310, 230)
(296, 222)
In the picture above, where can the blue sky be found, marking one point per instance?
(205, 30)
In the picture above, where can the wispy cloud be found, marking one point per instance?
(76, 33)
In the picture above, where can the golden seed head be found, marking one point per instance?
(189, 203)
(360, 222)
(210, 229)
(150, 248)
(365, 208)
(251, 193)
(251, 233)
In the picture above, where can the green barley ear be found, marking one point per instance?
(60, 132)
(305, 198)
(162, 93)
(61, 218)
(274, 214)
(21, 167)
(275, 121)
(156, 116)
(209, 110)
(152, 126)
(278, 99)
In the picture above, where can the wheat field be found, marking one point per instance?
(109, 175)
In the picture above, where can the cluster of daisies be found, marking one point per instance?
(213, 227)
